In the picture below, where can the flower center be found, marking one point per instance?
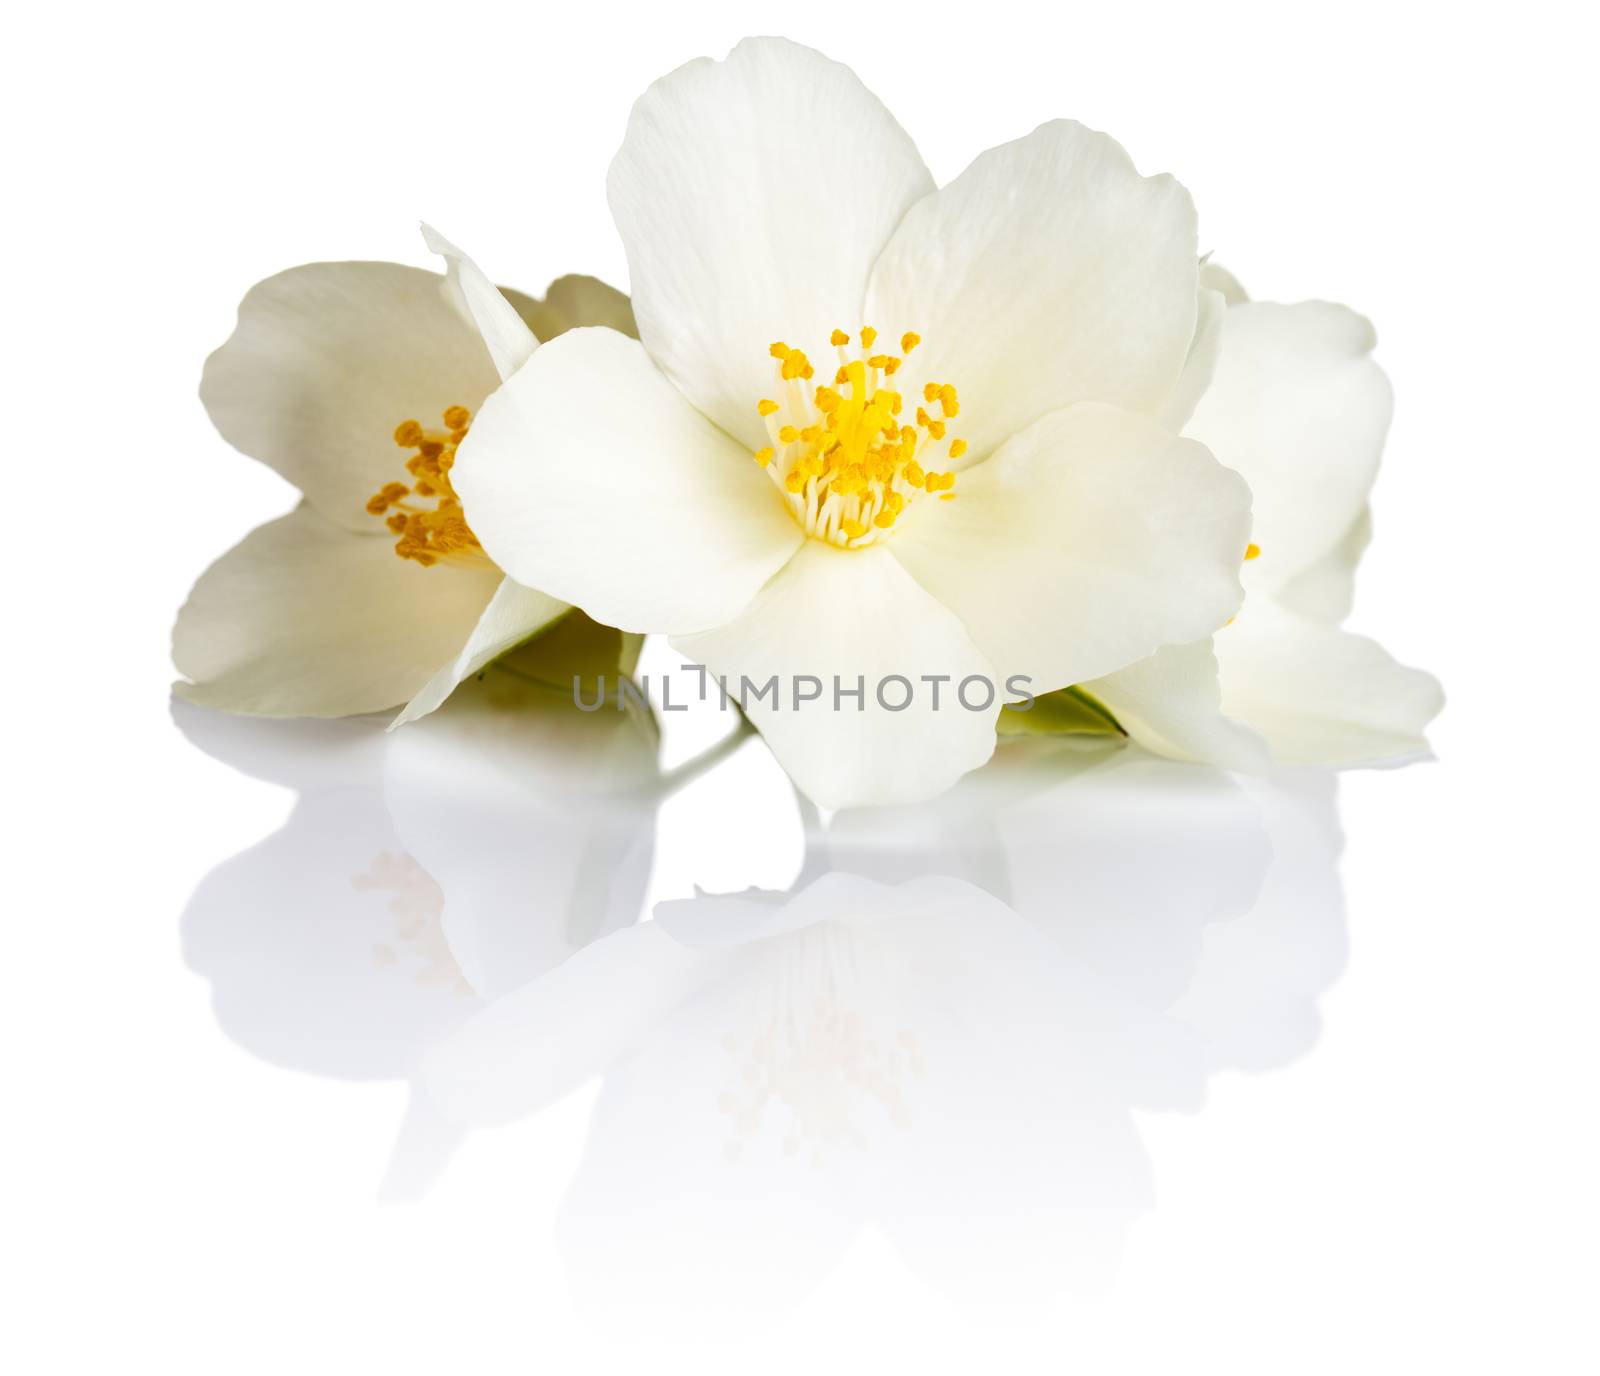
(426, 513)
(841, 456)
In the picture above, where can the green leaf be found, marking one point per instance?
(1066, 712)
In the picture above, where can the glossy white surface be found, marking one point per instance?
(331, 1052)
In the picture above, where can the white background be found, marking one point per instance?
(1416, 1193)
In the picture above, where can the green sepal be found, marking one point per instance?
(1065, 712)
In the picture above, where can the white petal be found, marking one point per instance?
(302, 618)
(1048, 273)
(855, 615)
(514, 613)
(1300, 410)
(1171, 703)
(1088, 541)
(1215, 277)
(752, 196)
(1322, 696)
(1325, 591)
(572, 301)
(1201, 364)
(587, 475)
(505, 334)
(327, 359)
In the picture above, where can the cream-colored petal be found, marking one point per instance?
(326, 360)
(302, 618)
(752, 196)
(1171, 703)
(858, 617)
(1048, 273)
(1300, 409)
(506, 335)
(590, 477)
(1322, 696)
(1084, 544)
(573, 301)
(514, 613)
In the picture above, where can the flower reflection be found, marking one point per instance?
(942, 1030)
(953, 1057)
(422, 872)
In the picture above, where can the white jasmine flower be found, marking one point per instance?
(356, 382)
(1298, 407)
(873, 428)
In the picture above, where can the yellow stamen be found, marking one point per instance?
(845, 456)
(1252, 551)
(427, 535)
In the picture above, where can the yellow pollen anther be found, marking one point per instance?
(1252, 551)
(429, 535)
(845, 458)
(386, 496)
